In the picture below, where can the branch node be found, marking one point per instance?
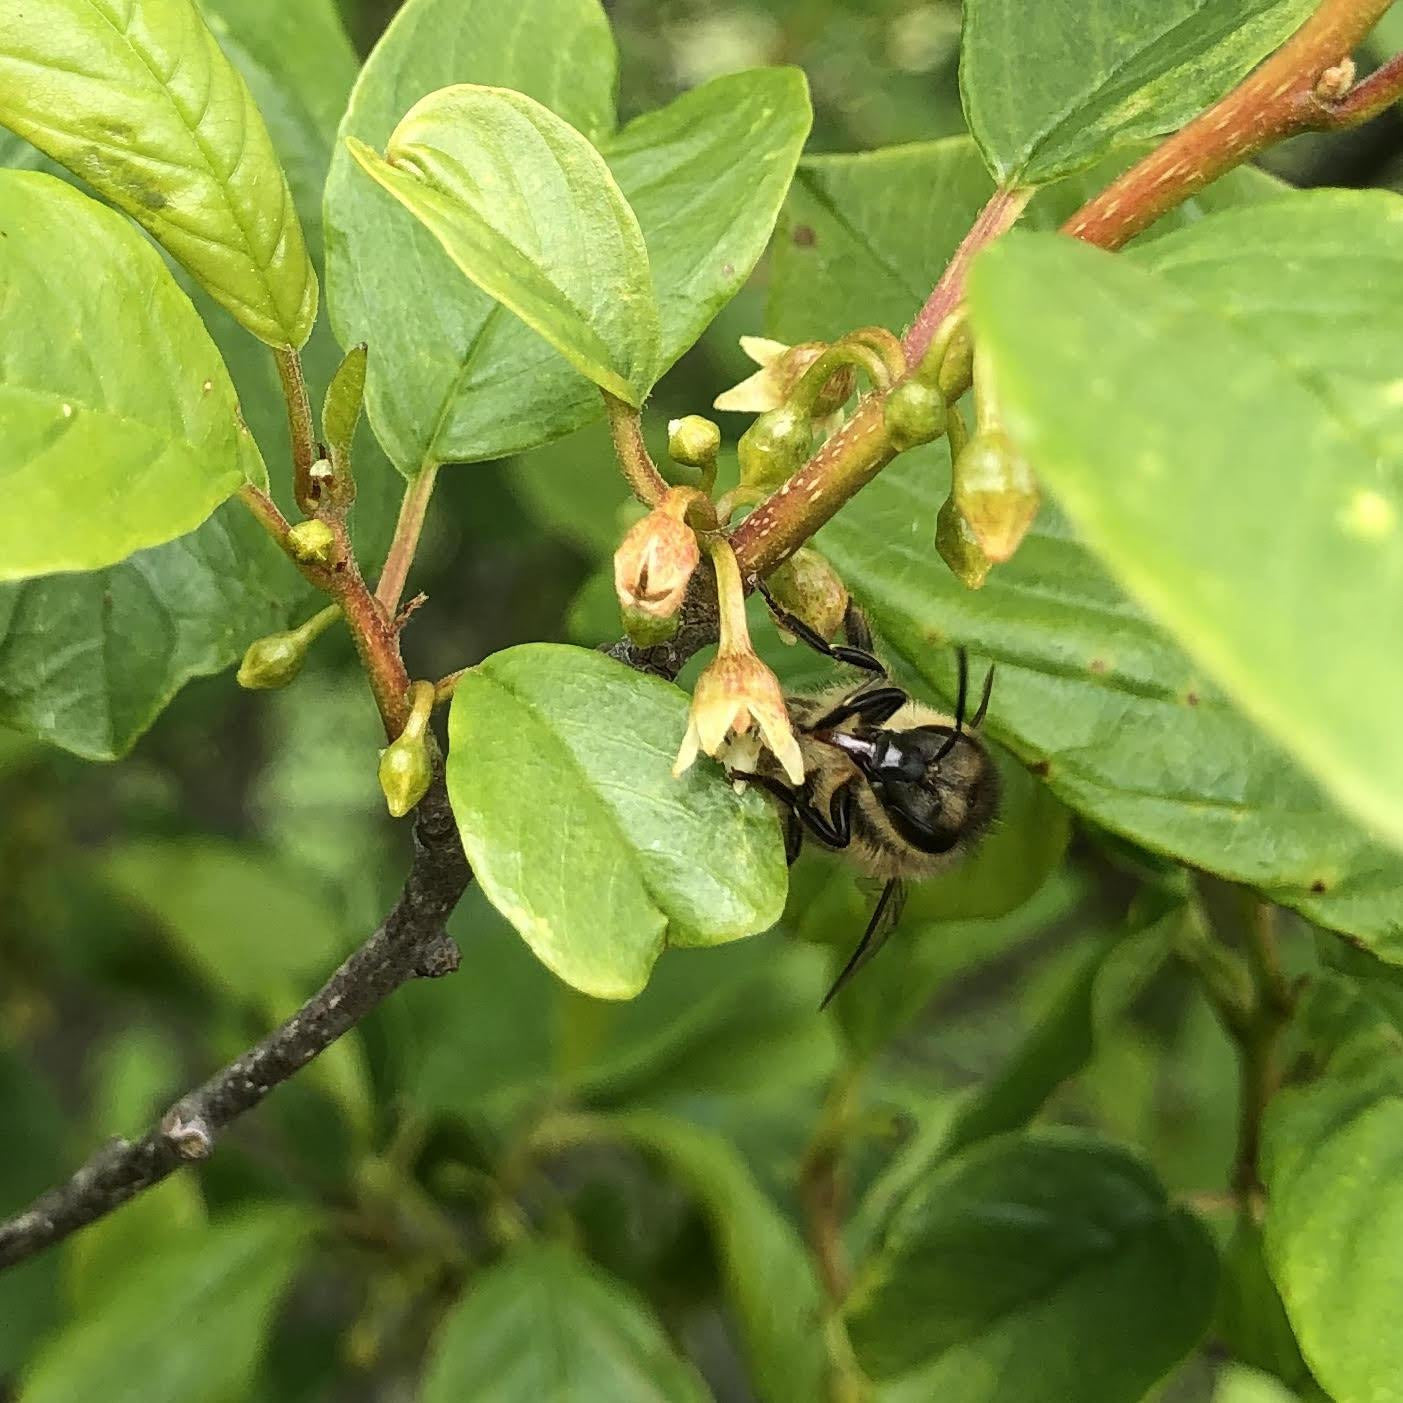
(189, 1136)
(1335, 81)
(439, 957)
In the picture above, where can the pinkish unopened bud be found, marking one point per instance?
(654, 563)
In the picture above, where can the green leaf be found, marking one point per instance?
(389, 283)
(1334, 1219)
(706, 176)
(1238, 468)
(136, 97)
(191, 607)
(528, 210)
(544, 1324)
(486, 385)
(125, 431)
(559, 770)
(921, 957)
(203, 891)
(768, 1274)
(864, 238)
(1126, 729)
(1053, 88)
(1045, 1266)
(184, 1324)
(299, 66)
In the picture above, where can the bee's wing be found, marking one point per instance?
(885, 915)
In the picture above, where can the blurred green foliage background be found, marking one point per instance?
(157, 914)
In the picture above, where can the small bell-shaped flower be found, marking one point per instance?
(781, 368)
(737, 689)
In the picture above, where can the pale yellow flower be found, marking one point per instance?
(737, 688)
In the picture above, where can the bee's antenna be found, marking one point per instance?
(962, 695)
(977, 719)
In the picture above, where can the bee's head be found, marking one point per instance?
(936, 784)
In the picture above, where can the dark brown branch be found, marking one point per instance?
(409, 943)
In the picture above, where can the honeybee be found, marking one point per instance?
(902, 791)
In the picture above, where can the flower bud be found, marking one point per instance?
(809, 587)
(774, 447)
(915, 414)
(311, 542)
(693, 441)
(996, 493)
(958, 547)
(405, 771)
(654, 563)
(272, 661)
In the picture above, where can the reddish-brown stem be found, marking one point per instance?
(997, 217)
(300, 426)
(376, 640)
(1273, 102)
(265, 511)
(626, 429)
(850, 459)
(406, 540)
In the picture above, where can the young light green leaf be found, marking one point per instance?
(769, 1275)
(559, 770)
(1043, 1267)
(544, 1324)
(1090, 693)
(486, 385)
(136, 97)
(1237, 464)
(528, 210)
(389, 282)
(120, 425)
(185, 1324)
(1330, 1165)
(1051, 88)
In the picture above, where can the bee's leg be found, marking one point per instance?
(833, 829)
(855, 657)
(856, 629)
(875, 705)
(793, 838)
(873, 938)
(977, 719)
